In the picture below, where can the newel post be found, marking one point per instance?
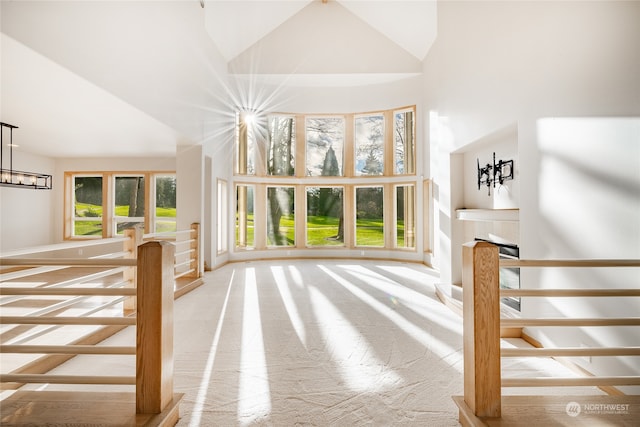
(154, 339)
(481, 322)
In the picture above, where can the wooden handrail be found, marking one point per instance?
(570, 292)
(66, 320)
(570, 351)
(569, 263)
(67, 379)
(569, 381)
(617, 321)
(482, 323)
(69, 291)
(68, 349)
(68, 262)
(62, 246)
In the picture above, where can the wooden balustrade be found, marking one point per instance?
(483, 402)
(152, 269)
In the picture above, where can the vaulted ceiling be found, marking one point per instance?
(133, 78)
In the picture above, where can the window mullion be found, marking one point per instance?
(389, 154)
(300, 161)
(349, 147)
(108, 203)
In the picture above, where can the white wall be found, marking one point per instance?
(218, 151)
(515, 62)
(190, 188)
(26, 217)
(589, 207)
(499, 63)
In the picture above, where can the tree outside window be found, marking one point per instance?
(325, 146)
(87, 206)
(369, 145)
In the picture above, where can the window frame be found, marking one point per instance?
(109, 220)
(349, 181)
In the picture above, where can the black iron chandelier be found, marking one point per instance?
(10, 177)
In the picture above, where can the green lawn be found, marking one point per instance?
(94, 228)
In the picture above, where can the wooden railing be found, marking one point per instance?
(145, 291)
(187, 244)
(483, 380)
(154, 342)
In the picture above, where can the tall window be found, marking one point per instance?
(405, 216)
(87, 206)
(280, 216)
(281, 146)
(369, 144)
(246, 128)
(223, 221)
(370, 216)
(325, 218)
(244, 216)
(129, 202)
(403, 142)
(165, 208)
(325, 146)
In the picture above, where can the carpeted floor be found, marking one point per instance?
(338, 343)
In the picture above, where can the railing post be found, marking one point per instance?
(133, 238)
(481, 322)
(154, 339)
(195, 245)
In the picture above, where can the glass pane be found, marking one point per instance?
(280, 216)
(405, 216)
(325, 221)
(244, 217)
(165, 204)
(222, 216)
(245, 143)
(325, 146)
(281, 151)
(370, 216)
(87, 206)
(129, 202)
(369, 138)
(404, 146)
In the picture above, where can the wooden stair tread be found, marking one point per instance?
(81, 408)
(552, 410)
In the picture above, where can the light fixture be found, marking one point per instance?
(15, 178)
(494, 174)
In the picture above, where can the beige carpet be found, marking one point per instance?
(338, 343)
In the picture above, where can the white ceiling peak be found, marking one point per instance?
(412, 24)
(235, 25)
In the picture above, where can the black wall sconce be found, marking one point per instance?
(495, 174)
(15, 178)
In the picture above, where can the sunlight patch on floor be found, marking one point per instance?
(287, 299)
(414, 300)
(201, 398)
(419, 334)
(254, 395)
(352, 356)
